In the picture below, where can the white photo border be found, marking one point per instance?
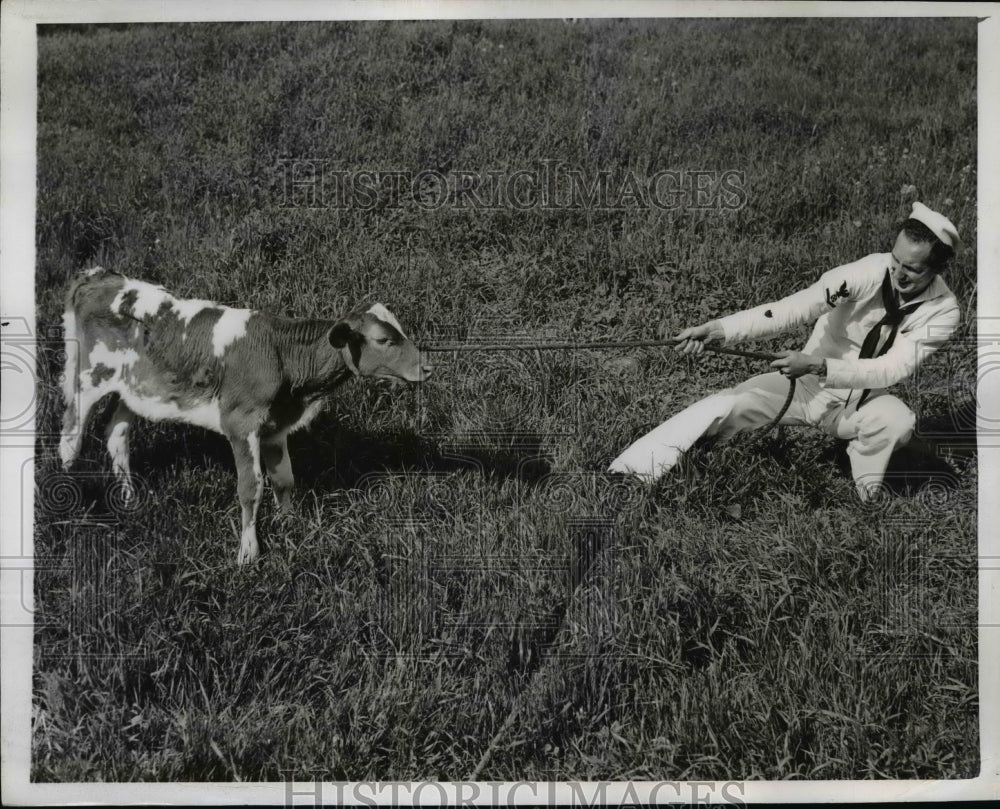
(18, 103)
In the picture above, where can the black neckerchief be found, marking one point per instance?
(894, 316)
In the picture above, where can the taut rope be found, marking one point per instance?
(754, 355)
(735, 352)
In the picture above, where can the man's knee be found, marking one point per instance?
(770, 384)
(755, 403)
(886, 420)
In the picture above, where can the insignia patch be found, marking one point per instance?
(840, 293)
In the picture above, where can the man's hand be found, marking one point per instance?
(692, 340)
(795, 364)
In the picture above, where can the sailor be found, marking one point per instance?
(876, 320)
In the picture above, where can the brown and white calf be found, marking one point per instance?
(251, 376)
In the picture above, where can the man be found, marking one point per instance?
(876, 320)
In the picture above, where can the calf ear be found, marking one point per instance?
(340, 334)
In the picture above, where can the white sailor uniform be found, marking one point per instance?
(848, 302)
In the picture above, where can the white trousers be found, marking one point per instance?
(882, 425)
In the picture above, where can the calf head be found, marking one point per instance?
(373, 344)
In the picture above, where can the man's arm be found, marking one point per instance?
(847, 282)
(795, 364)
(930, 332)
(692, 340)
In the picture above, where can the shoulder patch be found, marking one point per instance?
(832, 298)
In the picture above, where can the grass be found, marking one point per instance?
(745, 618)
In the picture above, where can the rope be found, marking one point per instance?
(733, 352)
(775, 422)
(432, 347)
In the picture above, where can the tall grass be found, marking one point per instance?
(745, 618)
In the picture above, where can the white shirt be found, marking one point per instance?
(846, 303)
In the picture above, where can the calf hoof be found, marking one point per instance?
(248, 551)
(122, 497)
(66, 454)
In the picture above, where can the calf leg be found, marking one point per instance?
(74, 420)
(249, 486)
(279, 470)
(117, 438)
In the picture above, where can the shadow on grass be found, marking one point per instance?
(337, 457)
(929, 459)
(954, 431)
(940, 448)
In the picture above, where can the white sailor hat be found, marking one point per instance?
(939, 224)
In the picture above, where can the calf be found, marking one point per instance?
(251, 376)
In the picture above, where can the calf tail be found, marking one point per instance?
(71, 340)
(71, 343)
(71, 379)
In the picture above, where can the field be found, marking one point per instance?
(459, 582)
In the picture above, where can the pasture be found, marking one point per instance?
(456, 556)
